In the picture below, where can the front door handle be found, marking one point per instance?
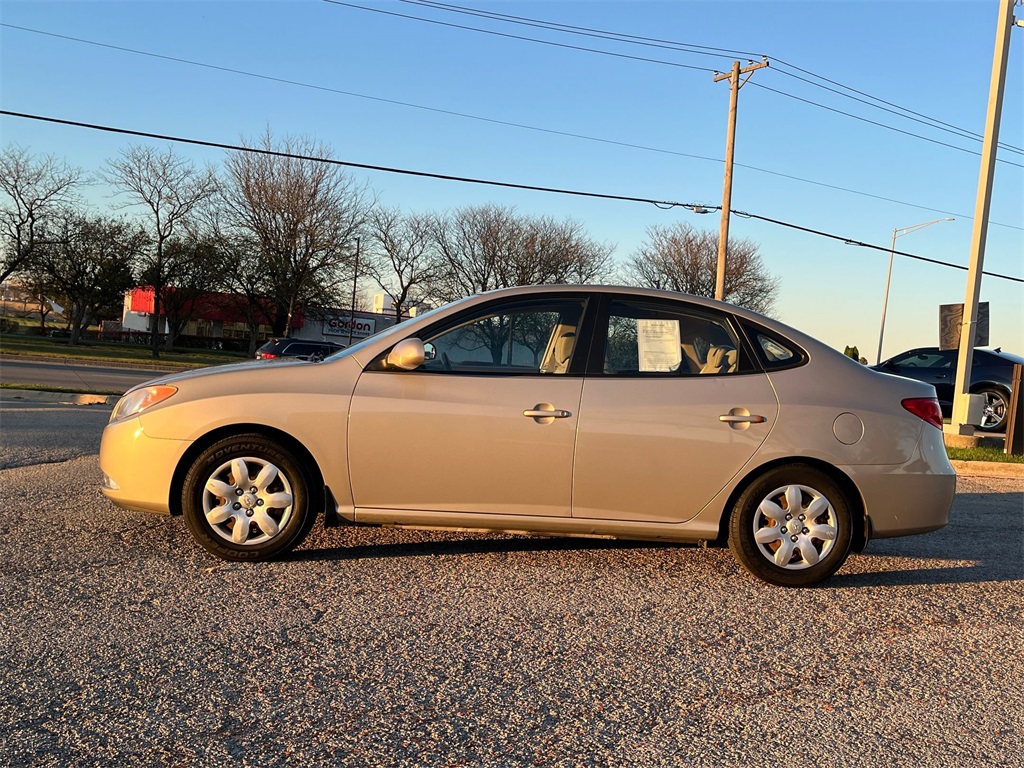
(545, 413)
(741, 418)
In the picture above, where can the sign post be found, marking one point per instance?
(1014, 445)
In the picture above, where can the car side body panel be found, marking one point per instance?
(896, 460)
(237, 398)
(452, 443)
(657, 450)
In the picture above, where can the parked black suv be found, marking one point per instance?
(991, 376)
(300, 348)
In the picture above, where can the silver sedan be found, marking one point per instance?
(555, 410)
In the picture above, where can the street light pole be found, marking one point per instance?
(898, 232)
(983, 202)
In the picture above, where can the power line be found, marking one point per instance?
(327, 89)
(493, 121)
(663, 204)
(383, 168)
(861, 244)
(964, 131)
(961, 132)
(703, 50)
(868, 194)
(881, 125)
(690, 48)
(519, 37)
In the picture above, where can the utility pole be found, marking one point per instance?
(981, 213)
(723, 238)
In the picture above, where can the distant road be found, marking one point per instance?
(84, 378)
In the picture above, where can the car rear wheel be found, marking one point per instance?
(792, 526)
(993, 415)
(247, 497)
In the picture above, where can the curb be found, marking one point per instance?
(989, 469)
(155, 366)
(64, 398)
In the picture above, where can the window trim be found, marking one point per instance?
(751, 330)
(746, 363)
(577, 365)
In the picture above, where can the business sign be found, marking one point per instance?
(951, 319)
(359, 327)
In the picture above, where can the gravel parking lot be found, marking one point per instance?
(122, 643)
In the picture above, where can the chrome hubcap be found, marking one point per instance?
(247, 501)
(795, 527)
(994, 410)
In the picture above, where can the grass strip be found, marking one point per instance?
(983, 454)
(92, 351)
(67, 390)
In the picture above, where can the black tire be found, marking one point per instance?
(811, 559)
(996, 408)
(231, 524)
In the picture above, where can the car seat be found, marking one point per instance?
(721, 359)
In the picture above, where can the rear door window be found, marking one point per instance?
(651, 338)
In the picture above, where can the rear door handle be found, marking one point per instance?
(730, 418)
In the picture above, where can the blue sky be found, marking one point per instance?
(934, 58)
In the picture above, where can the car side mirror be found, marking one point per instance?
(407, 355)
(429, 351)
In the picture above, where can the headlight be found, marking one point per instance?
(139, 400)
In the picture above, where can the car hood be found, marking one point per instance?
(218, 370)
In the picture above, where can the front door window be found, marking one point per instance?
(518, 340)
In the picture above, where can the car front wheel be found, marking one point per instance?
(247, 497)
(993, 415)
(792, 526)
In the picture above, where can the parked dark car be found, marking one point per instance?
(300, 348)
(991, 376)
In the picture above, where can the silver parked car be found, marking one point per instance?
(555, 410)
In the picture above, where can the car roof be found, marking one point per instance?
(1008, 356)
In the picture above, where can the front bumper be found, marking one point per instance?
(138, 469)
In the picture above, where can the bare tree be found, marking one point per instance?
(171, 188)
(304, 213)
(681, 258)
(35, 188)
(196, 266)
(486, 247)
(90, 259)
(399, 255)
(244, 281)
(38, 284)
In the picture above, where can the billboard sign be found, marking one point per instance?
(951, 318)
(361, 327)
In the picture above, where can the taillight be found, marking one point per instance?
(926, 408)
(267, 355)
